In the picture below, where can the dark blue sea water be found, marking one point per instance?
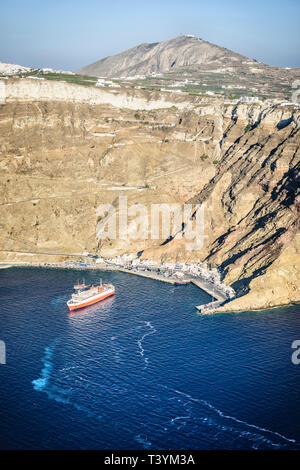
(142, 370)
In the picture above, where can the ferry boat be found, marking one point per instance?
(89, 295)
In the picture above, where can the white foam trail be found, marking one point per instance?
(143, 440)
(274, 433)
(246, 434)
(139, 342)
(179, 418)
(42, 384)
(58, 301)
(64, 369)
(232, 418)
(116, 349)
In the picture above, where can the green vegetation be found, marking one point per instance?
(69, 78)
(247, 128)
(204, 157)
(227, 85)
(77, 79)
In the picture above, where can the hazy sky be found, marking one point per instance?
(67, 34)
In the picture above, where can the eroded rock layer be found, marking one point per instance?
(61, 159)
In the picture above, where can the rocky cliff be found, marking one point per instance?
(26, 89)
(252, 207)
(61, 156)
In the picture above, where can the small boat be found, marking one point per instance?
(89, 295)
(182, 282)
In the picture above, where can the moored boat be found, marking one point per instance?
(89, 295)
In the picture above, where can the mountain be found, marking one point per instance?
(160, 57)
(190, 64)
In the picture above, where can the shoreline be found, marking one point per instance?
(5, 266)
(273, 307)
(206, 286)
(210, 308)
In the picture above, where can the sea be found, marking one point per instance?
(142, 369)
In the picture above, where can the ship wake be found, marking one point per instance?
(202, 416)
(54, 392)
(140, 341)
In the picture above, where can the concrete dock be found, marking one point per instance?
(210, 307)
(210, 289)
(218, 295)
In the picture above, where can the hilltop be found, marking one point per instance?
(160, 57)
(188, 63)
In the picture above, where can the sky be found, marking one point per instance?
(68, 34)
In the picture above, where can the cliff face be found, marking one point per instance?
(256, 194)
(61, 158)
(252, 207)
(44, 90)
